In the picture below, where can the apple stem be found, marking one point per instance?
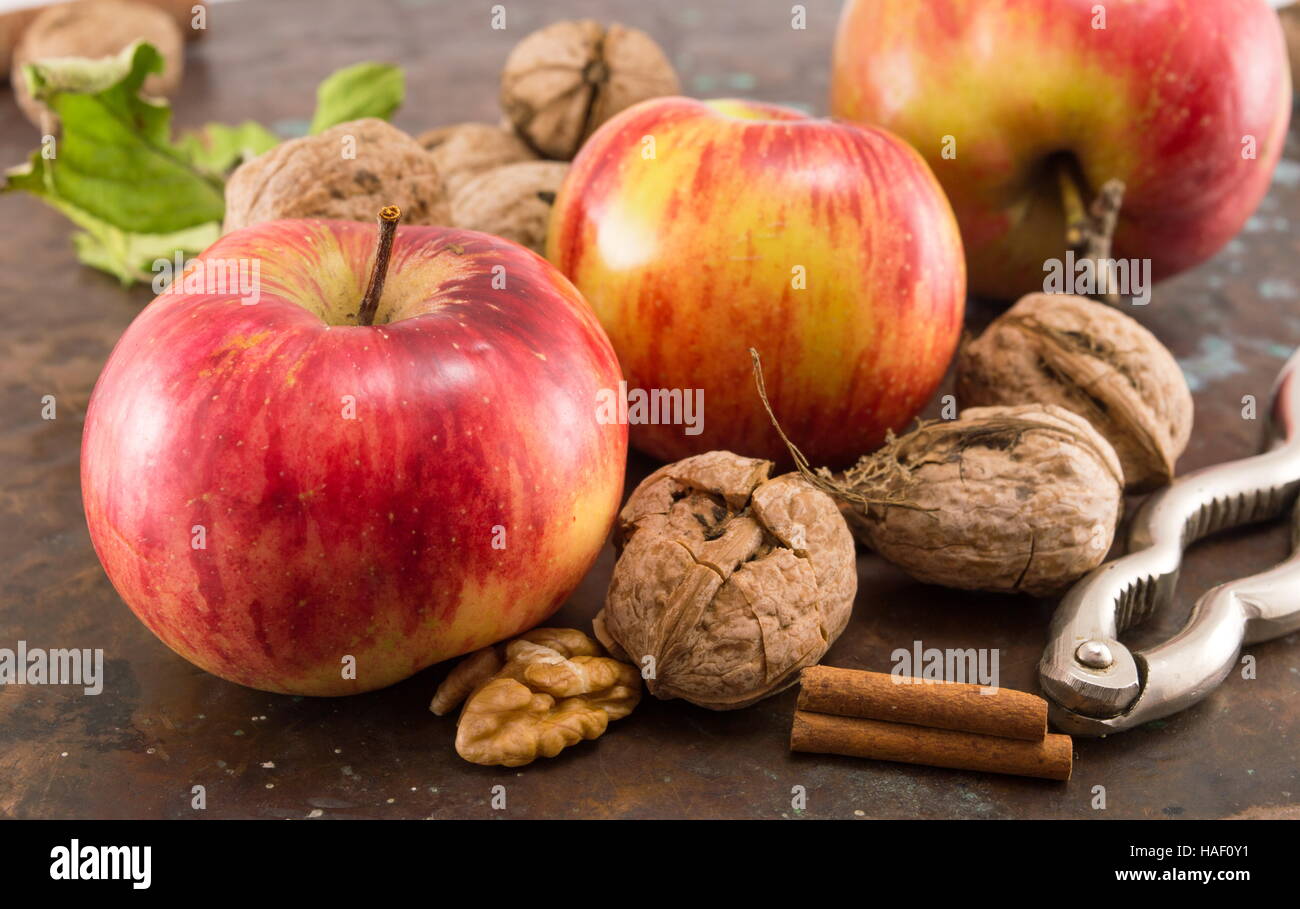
(1076, 214)
(1089, 229)
(389, 215)
(840, 489)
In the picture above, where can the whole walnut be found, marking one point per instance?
(563, 81)
(97, 29)
(1006, 499)
(728, 582)
(347, 172)
(513, 202)
(465, 150)
(1095, 361)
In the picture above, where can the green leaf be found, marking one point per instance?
(115, 160)
(116, 173)
(131, 257)
(128, 256)
(363, 90)
(217, 149)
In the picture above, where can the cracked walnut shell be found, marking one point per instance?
(348, 172)
(535, 696)
(563, 81)
(728, 582)
(1095, 361)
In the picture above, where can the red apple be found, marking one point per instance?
(1187, 103)
(281, 493)
(697, 230)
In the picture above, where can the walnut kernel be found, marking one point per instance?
(551, 688)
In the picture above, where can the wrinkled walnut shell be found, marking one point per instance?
(535, 696)
(728, 582)
(562, 82)
(1004, 499)
(466, 150)
(1095, 361)
(513, 202)
(311, 177)
(96, 29)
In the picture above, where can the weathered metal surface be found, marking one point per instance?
(162, 726)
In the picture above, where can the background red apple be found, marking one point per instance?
(1165, 95)
(398, 493)
(697, 230)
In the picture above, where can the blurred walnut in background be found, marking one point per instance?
(558, 85)
(562, 82)
(15, 22)
(513, 201)
(96, 29)
(465, 150)
(348, 172)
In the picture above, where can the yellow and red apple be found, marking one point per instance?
(697, 230)
(1186, 103)
(303, 504)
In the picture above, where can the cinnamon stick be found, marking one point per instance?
(941, 705)
(1049, 758)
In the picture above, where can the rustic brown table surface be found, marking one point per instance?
(162, 726)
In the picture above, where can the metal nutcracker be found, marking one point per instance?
(1095, 684)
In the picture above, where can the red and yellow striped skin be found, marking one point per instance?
(691, 257)
(1161, 98)
(372, 537)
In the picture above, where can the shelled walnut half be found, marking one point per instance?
(535, 696)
